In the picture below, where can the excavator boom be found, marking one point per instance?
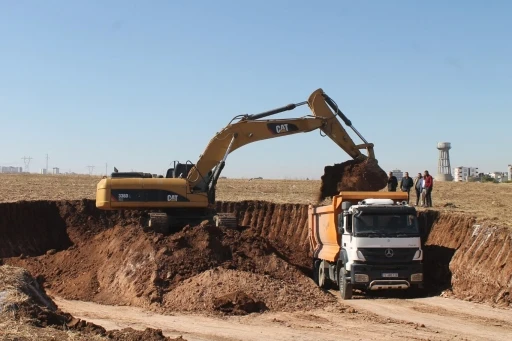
(251, 129)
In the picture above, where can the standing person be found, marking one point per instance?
(392, 182)
(418, 184)
(406, 184)
(429, 182)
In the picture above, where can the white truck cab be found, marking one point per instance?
(380, 246)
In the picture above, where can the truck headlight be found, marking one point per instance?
(417, 277)
(361, 278)
(360, 255)
(418, 255)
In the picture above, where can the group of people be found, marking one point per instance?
(423, 185)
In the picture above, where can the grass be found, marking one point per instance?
(486, 201)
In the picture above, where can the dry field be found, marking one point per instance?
(487, 201)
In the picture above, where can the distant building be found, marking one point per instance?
(55, 170)
(10, 169)
(398, 174)
(463, 173)
(499, 176)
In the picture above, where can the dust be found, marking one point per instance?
(352, 175)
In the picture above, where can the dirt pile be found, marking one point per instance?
(245, 291)
(107, 258)
(352, 175)
(238, 303)
(22, 299)
(113, 261)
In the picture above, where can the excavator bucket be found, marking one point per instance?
(352, 175)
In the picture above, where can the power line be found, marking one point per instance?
(26, 160)
(91, 169)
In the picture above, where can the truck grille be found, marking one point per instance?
(388, 255)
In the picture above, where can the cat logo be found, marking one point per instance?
(282, 128)
(172, 197)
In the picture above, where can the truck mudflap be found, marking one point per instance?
(382, 277)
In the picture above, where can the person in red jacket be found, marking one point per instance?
(428, 185)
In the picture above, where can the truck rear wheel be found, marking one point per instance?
(322, 282)
(316, 265)
(344, 286)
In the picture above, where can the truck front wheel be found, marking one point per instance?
(344, 286)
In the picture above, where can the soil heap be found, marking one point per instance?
(352, 175)
(23, 299)
(109, 259)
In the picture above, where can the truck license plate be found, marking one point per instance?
(389, 275)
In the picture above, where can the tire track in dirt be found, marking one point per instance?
(448, 316)
(324, 324)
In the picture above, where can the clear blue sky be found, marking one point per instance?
(138, 84)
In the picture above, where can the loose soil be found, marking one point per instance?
(77, 252)
(432, 318)
(22, 299)
(108, 258)
(352, 175)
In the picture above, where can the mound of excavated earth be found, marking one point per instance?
(23, 300)
(79, 252)
(109, 259)
(254, 292)
(352, 175)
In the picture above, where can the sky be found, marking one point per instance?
(137, 85)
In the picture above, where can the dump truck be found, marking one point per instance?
(366, 241)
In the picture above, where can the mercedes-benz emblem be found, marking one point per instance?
(388, 253)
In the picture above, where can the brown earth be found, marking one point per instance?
(108, 258)
(105, 257)
(23, 299)
(352, 175)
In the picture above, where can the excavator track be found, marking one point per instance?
(229, 220)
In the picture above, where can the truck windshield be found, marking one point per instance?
(386, 225)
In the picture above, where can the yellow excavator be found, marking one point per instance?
(186, 195)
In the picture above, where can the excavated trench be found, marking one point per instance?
(78, 252)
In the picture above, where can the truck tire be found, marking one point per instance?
(316, 265)
(344, 286)
(322, 281)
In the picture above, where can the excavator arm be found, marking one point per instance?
(250, 128)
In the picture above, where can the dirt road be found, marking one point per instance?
(371, 319)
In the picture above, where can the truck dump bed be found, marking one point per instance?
(324, 236)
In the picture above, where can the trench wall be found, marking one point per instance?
(472, 261)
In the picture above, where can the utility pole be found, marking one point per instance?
(106, 169)
(91, 168)
(26, 160)
(47, 163)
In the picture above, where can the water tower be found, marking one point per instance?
(444, 170)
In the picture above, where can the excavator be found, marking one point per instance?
(186, 195)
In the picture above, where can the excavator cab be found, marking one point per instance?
(179, 170)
